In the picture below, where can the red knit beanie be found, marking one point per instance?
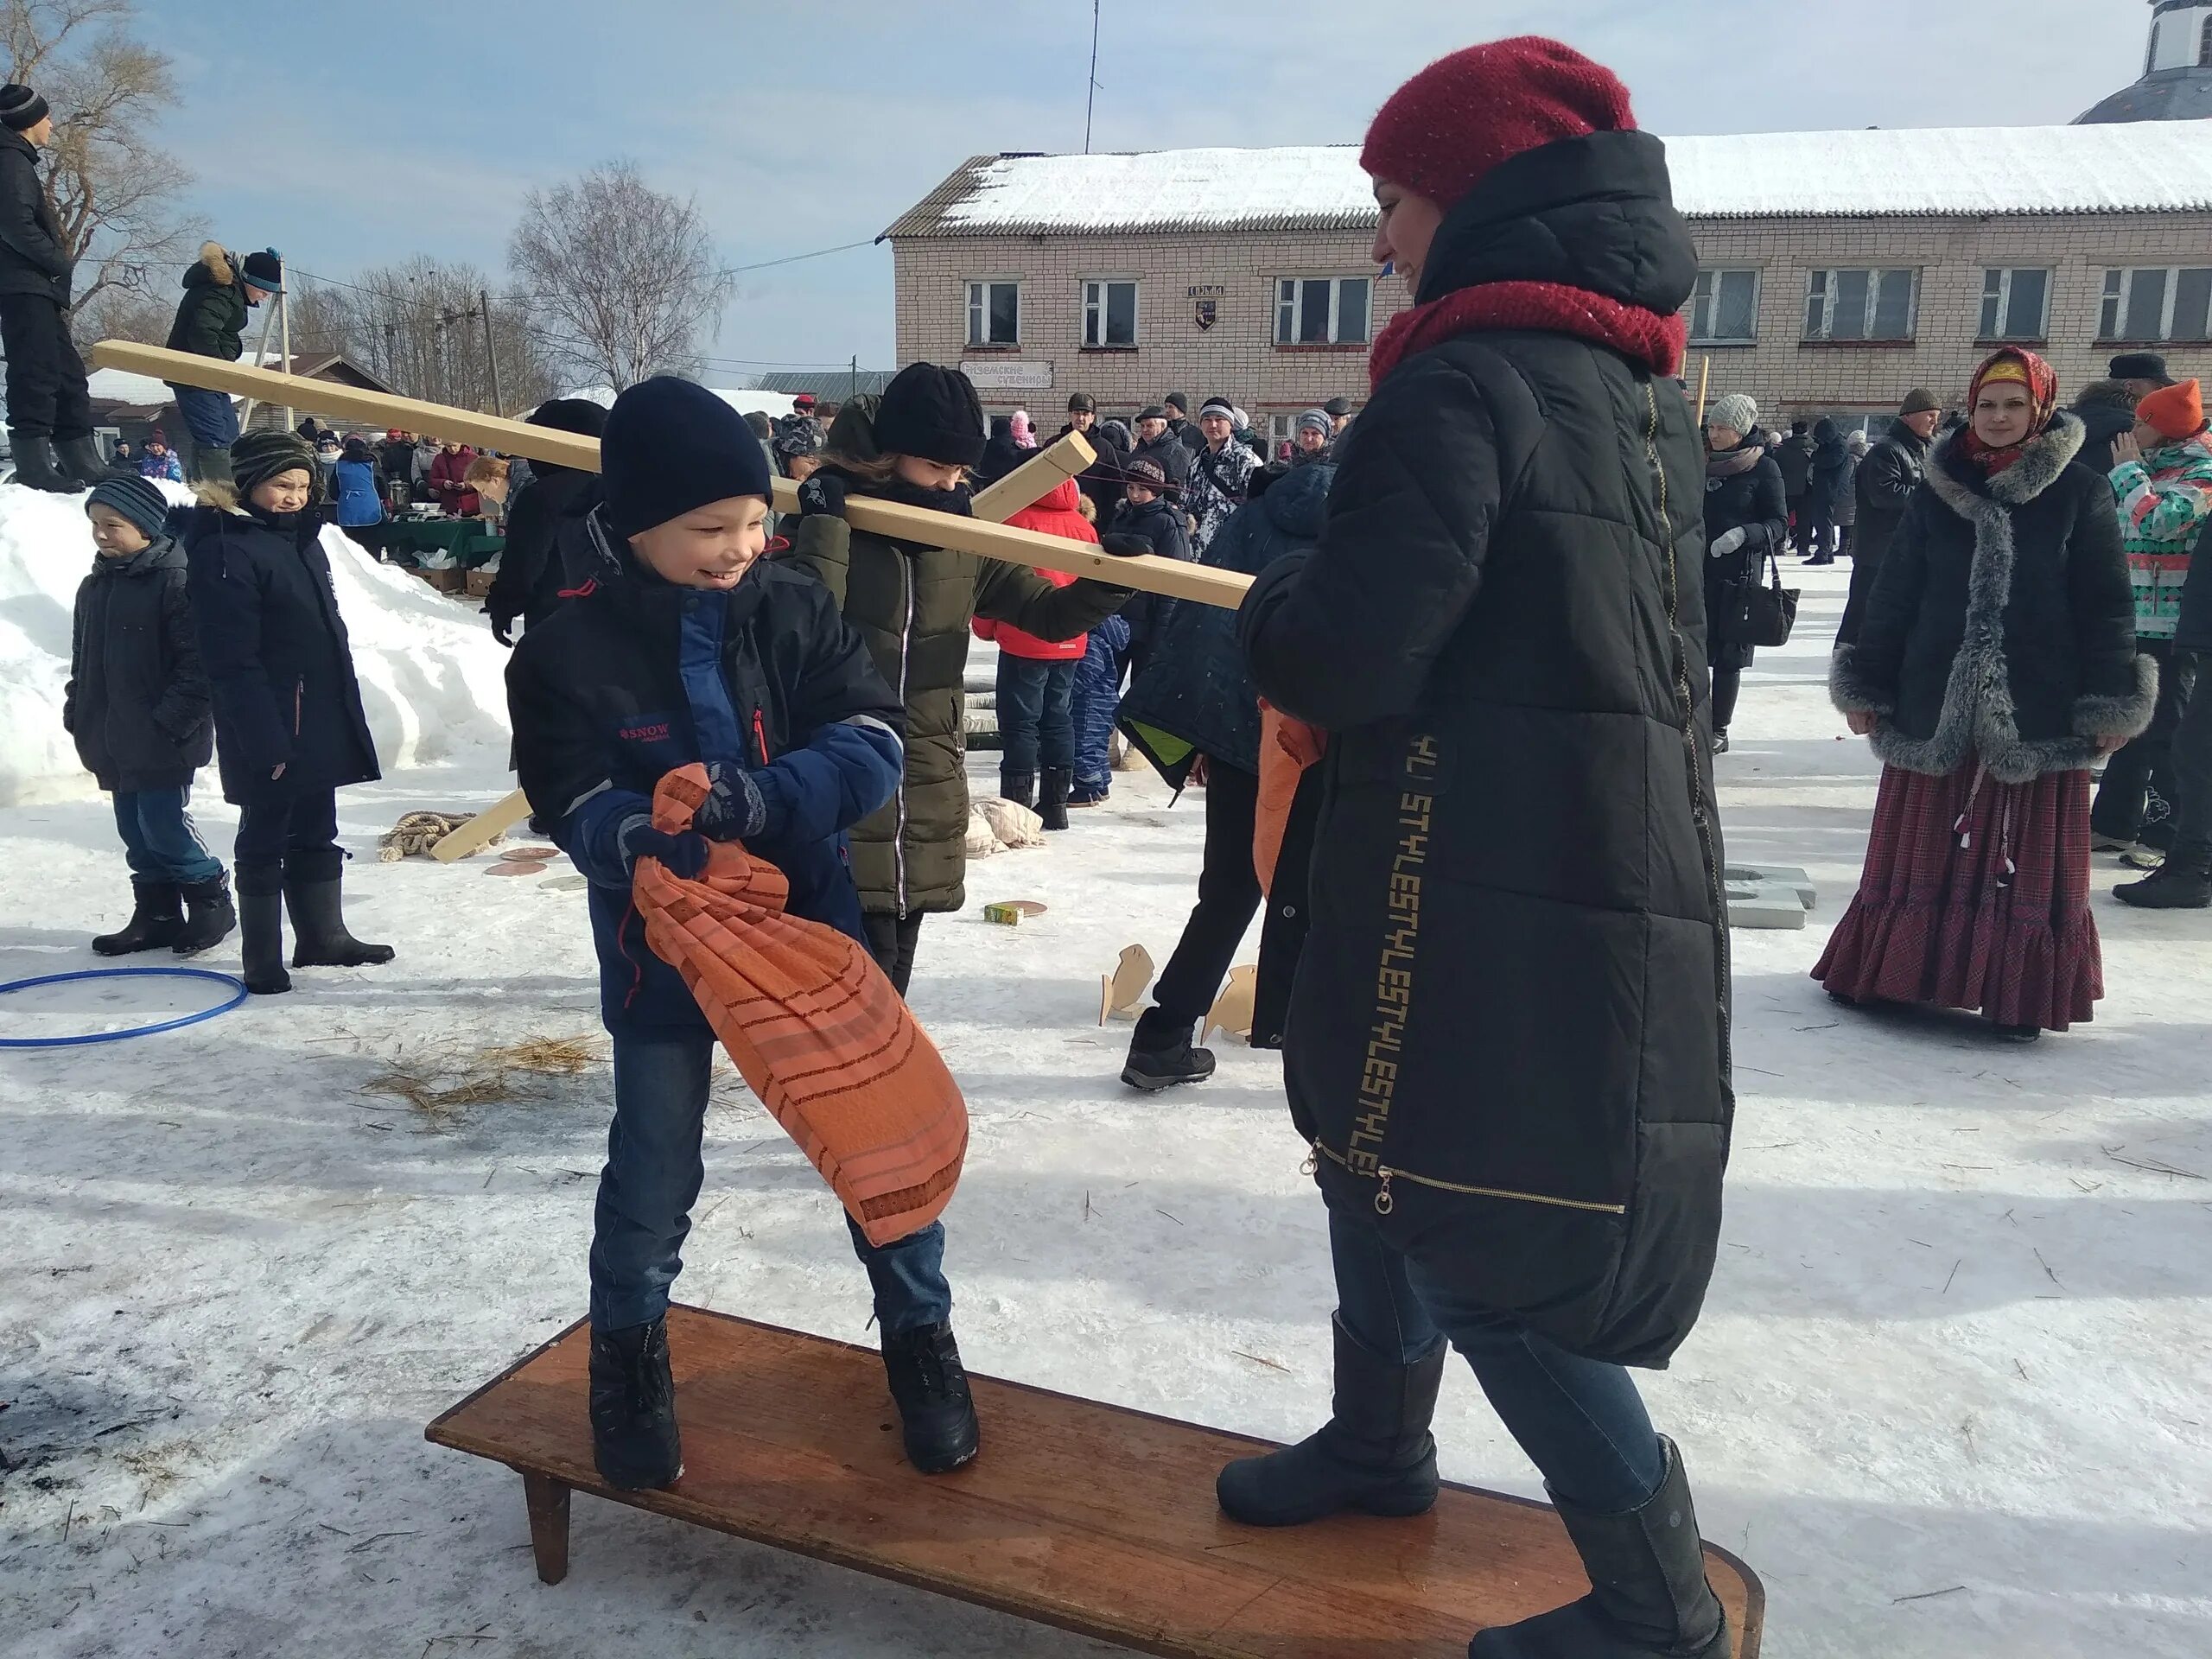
(1442, 131)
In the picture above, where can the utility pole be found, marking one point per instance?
(491, 354)
(1090, 93)
(853, 385)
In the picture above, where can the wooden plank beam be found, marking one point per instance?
(1034, 479)
(1147, 574)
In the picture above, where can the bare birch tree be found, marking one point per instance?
(620, 277)
(112, 188)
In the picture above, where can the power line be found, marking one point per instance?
(793, 259)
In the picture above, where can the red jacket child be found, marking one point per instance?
(1056, 515)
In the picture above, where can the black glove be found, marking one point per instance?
(822, 493)
(734, 808)
(684, 856)
(502, 628)
(1123, 546)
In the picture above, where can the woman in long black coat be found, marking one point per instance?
(1507, 1048)
(289, 727)
(1746, 520)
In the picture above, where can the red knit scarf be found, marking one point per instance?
(1650, 339)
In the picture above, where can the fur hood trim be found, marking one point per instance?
(1978, 716)
(217, 261)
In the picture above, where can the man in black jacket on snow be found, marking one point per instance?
(1887, 480)
(1793, 455)
(548, 544)
(49, 410)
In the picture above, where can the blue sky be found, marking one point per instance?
(351, 135)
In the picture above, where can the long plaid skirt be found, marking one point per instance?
(1975, 895)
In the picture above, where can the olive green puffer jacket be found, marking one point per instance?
(913, 606)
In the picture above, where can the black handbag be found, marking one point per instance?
(1756, 612)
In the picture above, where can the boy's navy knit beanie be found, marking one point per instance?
(670, 447)
(138, 499)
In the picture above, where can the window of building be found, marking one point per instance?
(2015, 304)
(2204, 47)
(1321, 311)
(1725, 308)
(994, 313)
(1861, 304)
(1110, 314)
(2157, 303)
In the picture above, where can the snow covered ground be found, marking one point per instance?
(1950, 1395)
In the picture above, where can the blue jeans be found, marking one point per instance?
(651, 1179)
(1097, 700)
(1036, 717)
(210, 416)
(1581, 1422)
(160, 840)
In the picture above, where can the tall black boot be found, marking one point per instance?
(1648, 1598)
(212, 917)
(633, 1435)
(35, 466)
(1162, 1055)
(210, 464)
(156, 918)
(319, 925)
(80, 460)
(930, 1386)
(1374, 1453)
(1052, 805)
(1020, 787)
(261, 932)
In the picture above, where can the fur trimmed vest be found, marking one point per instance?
(2002, 624)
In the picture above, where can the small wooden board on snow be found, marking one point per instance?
(1086, 1517)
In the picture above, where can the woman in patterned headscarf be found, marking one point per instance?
(1997, 661)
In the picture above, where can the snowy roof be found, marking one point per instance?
(122, 386)
(2159, 167)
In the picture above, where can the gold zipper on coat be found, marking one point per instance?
(1384, 1174)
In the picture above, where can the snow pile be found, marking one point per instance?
(2153, 166)
(430, 672)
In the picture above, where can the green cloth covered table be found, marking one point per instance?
(466, 539)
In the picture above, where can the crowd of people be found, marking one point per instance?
(1411, 667)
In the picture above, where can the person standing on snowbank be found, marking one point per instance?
(776, 695)
(137, 705)
(1996, 662)
(50, 407)
(219, 288)
(289, 727)
(913, 606)
(1500, 631)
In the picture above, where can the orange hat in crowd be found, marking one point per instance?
(2178, 411)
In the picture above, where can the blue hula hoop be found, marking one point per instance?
(238, 995)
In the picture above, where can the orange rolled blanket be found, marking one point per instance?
(1287, 746)
(829, 1046)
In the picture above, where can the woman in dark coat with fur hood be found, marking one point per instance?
(1995, 662)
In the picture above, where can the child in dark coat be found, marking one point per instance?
(684, 647)
(137, 705)
(288, 721)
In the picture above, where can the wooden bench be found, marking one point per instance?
(1087, 1517)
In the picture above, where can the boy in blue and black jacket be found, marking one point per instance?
(683, 647)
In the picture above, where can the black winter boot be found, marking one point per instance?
(1375, 1454)
(319, 925)
(1020, 787)
(211, 915)
(156, 918)
(261, 940)
(35, 466)
(79, 459)
(2182, 882)
(930, 1387)
(210, 464)
(1648, 1598)
(633, 1437)
(1161, 1055)
(1053, 805)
